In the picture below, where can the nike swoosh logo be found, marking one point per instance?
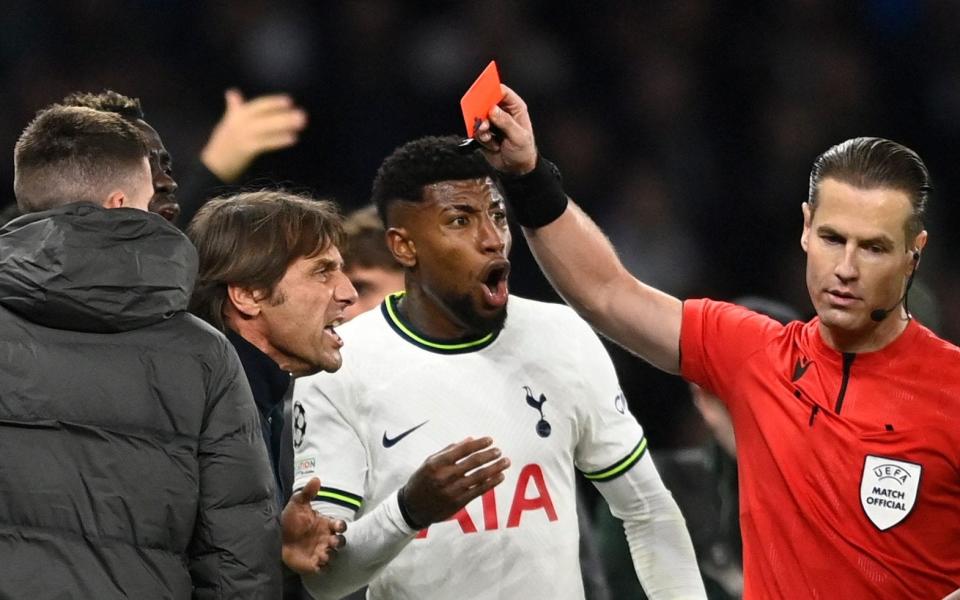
(800, 368)
(391, 441)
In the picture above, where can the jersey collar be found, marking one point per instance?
(409, 333)
(896, 349)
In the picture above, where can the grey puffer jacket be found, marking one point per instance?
(131, 459)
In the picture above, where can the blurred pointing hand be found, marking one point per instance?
(248, 129)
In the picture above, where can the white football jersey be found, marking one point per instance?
(543, 388)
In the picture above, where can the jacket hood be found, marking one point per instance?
(86, 268)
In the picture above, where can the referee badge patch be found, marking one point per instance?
(888, 490)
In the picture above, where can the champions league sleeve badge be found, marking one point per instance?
(888, 490)
(299, 424)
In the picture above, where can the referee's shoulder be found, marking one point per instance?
(940, 350)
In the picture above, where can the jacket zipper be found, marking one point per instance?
(847, 363)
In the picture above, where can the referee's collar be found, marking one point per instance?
(390, 311)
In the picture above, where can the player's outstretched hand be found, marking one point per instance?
(310, 540)
(248, 129)
(515, 152)
(448, 480)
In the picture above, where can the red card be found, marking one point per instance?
(482, 96)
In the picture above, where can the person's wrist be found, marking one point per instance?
(223, 161)
(536, 196)
(410, 520)
(210, 158)
(525, 167)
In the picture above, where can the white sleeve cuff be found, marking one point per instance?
(373, 541)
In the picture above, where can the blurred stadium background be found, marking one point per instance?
(685, 127)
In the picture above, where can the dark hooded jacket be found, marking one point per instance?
(131, 459)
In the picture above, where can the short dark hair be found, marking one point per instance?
(364, 244)
(403, 174)
(72, 154)
(107, 101)
(872, 162)
(250, 239)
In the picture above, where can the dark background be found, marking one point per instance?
(686, 128)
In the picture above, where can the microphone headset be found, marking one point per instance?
(880, 314)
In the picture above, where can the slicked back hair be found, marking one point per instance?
(872, 163)
(72, 154)
(107, 101)
(250, 239)
(403, 174)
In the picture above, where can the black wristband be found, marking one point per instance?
(402, 503)
(537, 198)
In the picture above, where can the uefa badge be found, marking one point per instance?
(888, 490)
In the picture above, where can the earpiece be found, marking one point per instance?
(880, 314)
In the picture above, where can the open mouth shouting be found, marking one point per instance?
(330, 331)
(494, 283)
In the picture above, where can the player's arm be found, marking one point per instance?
(331, 447)
(656, 532)
(575, 255)
(446, 482)
(612, 453)
(582, 265)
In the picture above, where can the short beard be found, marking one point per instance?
(462, 309)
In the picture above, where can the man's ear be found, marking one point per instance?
(920, 241)
(116, 199)
(244, 300)
(918, 244)
(807, 220)
(402, 247)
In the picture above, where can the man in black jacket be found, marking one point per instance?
(271, 280)
(247, 129)
(131, 464)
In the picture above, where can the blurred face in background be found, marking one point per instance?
(164, 201)
(717, 418)
(372, 285)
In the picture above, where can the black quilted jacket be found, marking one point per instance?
(131, 460)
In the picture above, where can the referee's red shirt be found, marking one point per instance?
(849, 463)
